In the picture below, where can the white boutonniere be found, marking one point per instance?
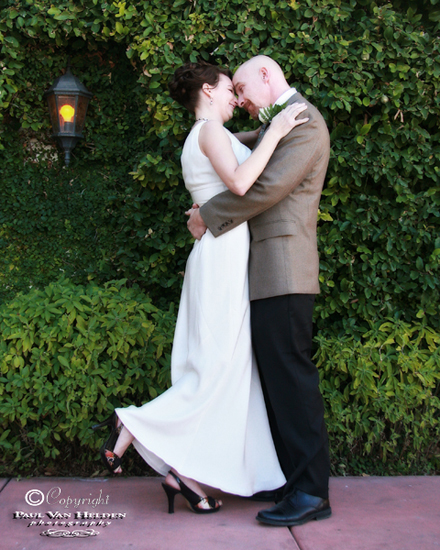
(266, 114)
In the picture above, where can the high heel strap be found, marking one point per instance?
(111, 460)
(193, 498)
(188, 493)
(112, 421)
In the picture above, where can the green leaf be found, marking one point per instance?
(12, 40)
(63, 360)
(365, 129)
(64, 17)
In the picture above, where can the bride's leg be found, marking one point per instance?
(191, 483)
(116, 444)
(124, 440)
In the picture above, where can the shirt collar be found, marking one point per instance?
(286, 96)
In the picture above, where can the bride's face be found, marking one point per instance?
(223, 98)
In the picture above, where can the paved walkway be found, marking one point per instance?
(369, 513)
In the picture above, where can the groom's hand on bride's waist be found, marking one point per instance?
(195, 224)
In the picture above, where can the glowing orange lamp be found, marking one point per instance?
(67, 112)
(68, 100)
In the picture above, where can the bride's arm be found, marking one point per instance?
(216, 145)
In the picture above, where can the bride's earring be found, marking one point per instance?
(211, 101)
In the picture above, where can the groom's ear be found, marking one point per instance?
(265, 74)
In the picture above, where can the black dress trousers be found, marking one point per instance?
(282, 341)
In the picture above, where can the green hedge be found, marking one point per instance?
(117, 211)
(90, 220)
(382, 394)
(71, 354)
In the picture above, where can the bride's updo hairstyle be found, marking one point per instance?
(188, 80)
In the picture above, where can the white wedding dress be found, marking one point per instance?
(211, 425)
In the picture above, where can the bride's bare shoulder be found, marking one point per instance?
(212, 134)
(212, 126)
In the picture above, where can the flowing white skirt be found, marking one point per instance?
(211, 425)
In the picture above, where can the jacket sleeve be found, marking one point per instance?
(290, 164)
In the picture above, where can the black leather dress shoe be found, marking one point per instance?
(268, 496)
(296, 509)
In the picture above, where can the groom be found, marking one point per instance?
(282, 210)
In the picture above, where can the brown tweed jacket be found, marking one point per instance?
(282, 210)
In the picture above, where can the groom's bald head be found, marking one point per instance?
(258, 83)
(259, 62)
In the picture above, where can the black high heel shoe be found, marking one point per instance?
(192, 498)
(110, 460)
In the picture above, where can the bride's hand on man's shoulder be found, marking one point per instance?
(287, 119)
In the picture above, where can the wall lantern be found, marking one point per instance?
(68, 100)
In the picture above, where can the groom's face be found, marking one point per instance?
(251, 89)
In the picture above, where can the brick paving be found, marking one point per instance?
(369, 513)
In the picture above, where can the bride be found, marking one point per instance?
(211, 425)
